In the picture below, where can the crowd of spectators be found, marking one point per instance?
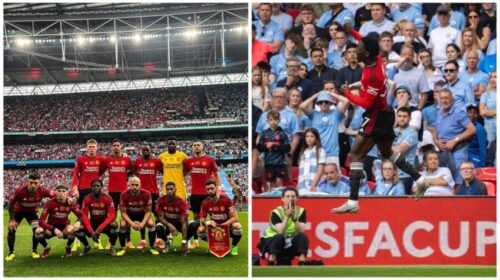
(149, 108)
(230, 148)
(440, 62)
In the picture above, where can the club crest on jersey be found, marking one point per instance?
(96, 162)
(170, 209)
(218, 234)
(216, 208)
(203, 163)
(123, 162)
(222, 208)
(176, 209)
(141, 203)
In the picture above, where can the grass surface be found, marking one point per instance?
(375, 271)
(135, 263)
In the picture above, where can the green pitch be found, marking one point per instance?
(375, 271)
(135, 263)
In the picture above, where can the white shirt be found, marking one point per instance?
(439, 39)
(257, 99)
(440, 190)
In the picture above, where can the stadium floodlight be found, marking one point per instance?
(23, 42)
(192, 33)
(80, 40)
(112, 38)
(137, 38)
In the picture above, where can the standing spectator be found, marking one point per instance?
(294, 101)
(462, 95)
(260, 49)
(332, 32)
(470, 185)
(442, 35)
(410, 37)
(470, 43)
(260, 92)
(452, 131)
(440, 179)
(312, 162)
(477, 143)
(363, 15)
(306, 16)
(429, 113)
(453, 53)
(268, 30)
(337, 13)
(279, 61)
(432, 73)
(457, 19)
(406, 12)
(489, 17)
(320, 73)
(294, 80)
(379, 22)
(385, 41)
(303, 71)
(387, 180)
(352, 72)
(283, 19)
(488, 108)
(482, 30)
(475, 78)
(335, 57)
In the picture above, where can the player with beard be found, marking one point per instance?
(147, 168)
(23, 204)
(54, 221)
(201, 168)
(135, 208)
(377, 125)
(102, 218)
(172, 213)
(222, 212)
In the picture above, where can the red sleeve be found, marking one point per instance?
(43, 218)
(123, 206)
(214, 166)
(111, 216)
(85, 216)
(76, 210)
(48, 193)
(203, 212)
(135, 164)
(364, 99)
(149, 199)
(131, 166)
(159, 166)
(14, 197)
(185, 208)
(103, 166)
(76, 172)
(356, 34)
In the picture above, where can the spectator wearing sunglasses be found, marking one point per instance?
(268, 30)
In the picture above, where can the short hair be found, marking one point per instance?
(171, 138)
(62, 187)
(91, 141)
(333, 164)
(115, 140)
(97, 181)
(295, 38)
(407, 46)
(316, 50)
(292, 58)
(269, 4)
(289, 189)
(447, 90)
(34, 176)
(264, 66)
(170, 184)
(279, 90)
(454, 62)
(430, 152)
(440, 83)
(371, 46)
(385, 34)
(350, 46)
(210, 182)
(320, 42)
(198, 140)
(133, 177)
(273, 114)
(306, 7)
(405, 110)
(381, 5)
(467, 162)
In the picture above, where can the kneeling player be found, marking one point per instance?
(135, 207)
(54, 221)
(102, 218)
(222, 212)
(172, 213)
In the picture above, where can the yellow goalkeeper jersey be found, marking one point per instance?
(173, 171)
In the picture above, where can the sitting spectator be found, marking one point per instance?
(453, 53)
(268, 30)
(379, 22)
(332, 183)
(279, 62)
(312, 162)
(320, 73)
(387, 179)
(440, 180)
(470, 185)
(292, 78)
(476, 79)
(432, 74)
(462, 94)
(443, 34)
(478, 142)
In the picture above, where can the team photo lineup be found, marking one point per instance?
(142, 164)
(366, 100)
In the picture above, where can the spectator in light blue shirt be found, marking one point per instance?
(473, 77)
(267, 30)
(336, 13)
(488, 64)
(462, 94)
(429, 113)
(278, 61)
(332, 183)
(477, 143)
(387, 180)
(378, 23)
(492, 47)
(488, 108)
(408, 12)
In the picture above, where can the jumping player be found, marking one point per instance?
(202, 168)
(172, 213)
(222, 212)
(102, 218)
(378, 120)
(23, 204)
(135, 208)
(147, 168)
(54, 221)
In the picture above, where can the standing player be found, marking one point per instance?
(54, 221)
(202, 168)
(147, 168)
(87, 168)
(172, 213)
(172, 161)
(221, 212)
(378, 120)
(23, 204)
(102, 218)
(135, 207)
(119, 167)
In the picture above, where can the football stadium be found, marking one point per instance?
(374, 139)
(108, 88)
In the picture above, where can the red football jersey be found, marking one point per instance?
(172, 211)
(24, 202)
(147, 171)
(201, 170)
(101, 210)
(57, 213)
(220, 211)
(86, 170)
(135, 205)
(118, 169)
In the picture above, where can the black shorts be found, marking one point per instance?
(195, 201)
(154, 198)
(59, 227)
(116, 199)
(81, 197)
(95, 225)
(275, 171)
(379, 127)
(137, 217)
(29, 216)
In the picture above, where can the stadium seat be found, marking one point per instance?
(343, 171)
(371, 185)
(486, 174)
(347, 162)
(293, 13)
(490, 188)
(287, 183)
(295, 173)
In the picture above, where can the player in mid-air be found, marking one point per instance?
(202, 168)
(147, 168)
(102, 218)
(54, 221)
(222, 212)
(135, 208)
(23, 204)
(378, 121)
(172, 213)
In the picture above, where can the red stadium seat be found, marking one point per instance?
(295, 173)
(294, 13)
(343, 171)
(490, 188)
(371, 185)
(287, 183)
(486, 174)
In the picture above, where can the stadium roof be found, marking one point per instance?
(48, 43)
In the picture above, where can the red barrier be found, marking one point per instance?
(394, 231)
